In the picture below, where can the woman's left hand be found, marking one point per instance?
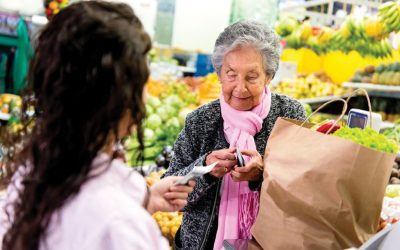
(252, 171)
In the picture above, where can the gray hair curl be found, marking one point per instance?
(248, 33)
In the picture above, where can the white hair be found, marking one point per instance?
(248, 33)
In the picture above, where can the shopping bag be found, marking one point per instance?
(319, 191)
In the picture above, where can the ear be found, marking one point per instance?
(268, 80)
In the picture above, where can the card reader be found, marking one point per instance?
(359, 118)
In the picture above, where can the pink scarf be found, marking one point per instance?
(239, 205)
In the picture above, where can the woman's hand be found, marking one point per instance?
(167, 197)
(226, 161)
(252, 171)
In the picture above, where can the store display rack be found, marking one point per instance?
(376, 89)
(321, 99)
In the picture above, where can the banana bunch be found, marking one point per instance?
(325, 35)
(390, 14)
(374, 27)
(356, 28)
(305, 31)
(286, 26)
(380, 49)
(294, 40)
(344, 29)
(376, 49)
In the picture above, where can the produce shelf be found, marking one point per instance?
(373, 87)
(376, 90)
(321, 99)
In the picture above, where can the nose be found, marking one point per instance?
(241, 85)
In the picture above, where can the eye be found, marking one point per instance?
(251, 78)
(231, 74)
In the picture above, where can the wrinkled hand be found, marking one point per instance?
(166, 197)
(226, 161)
(252, 171)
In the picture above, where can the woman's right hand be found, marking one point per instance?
(226, 161)
(165, 196)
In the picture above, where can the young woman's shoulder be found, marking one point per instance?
(107, 213)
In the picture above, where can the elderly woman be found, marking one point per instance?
(224, 203)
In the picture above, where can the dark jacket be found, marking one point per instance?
(203, 133)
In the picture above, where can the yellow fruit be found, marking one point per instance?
(305, 31)
(326, 35)
(374, 27)
(4, 109)
(53, 5)
(165, 230)
(174, 230)
(158, 216)
(171, 215)
(344, 30)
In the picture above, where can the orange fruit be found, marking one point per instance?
(53, 5)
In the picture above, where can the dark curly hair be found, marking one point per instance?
(89, 69)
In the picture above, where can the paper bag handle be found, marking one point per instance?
(365, 92)
(324, 105)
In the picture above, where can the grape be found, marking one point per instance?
(160, 161)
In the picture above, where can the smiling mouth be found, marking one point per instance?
(241, 98)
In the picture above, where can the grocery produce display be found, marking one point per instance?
(169, 222)
(391, 203)
(313, 85)
(209, 89)
(385, 74)
(389, 14)
(10, 108)
(10, 104)
(54, 6)
(395, 175)
(166, 112)
(394, 132)
(367, 36)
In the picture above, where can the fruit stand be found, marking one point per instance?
(331, 61)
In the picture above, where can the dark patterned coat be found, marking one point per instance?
(203, 133)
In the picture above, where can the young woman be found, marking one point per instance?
(69, 192)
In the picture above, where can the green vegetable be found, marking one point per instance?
(393, 133)
(368, 138)
(307, 108)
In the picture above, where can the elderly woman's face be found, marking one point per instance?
(243, 78)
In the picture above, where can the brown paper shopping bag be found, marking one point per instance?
(319, 191)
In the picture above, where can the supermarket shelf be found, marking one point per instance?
(374, 87)
(321, 99)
